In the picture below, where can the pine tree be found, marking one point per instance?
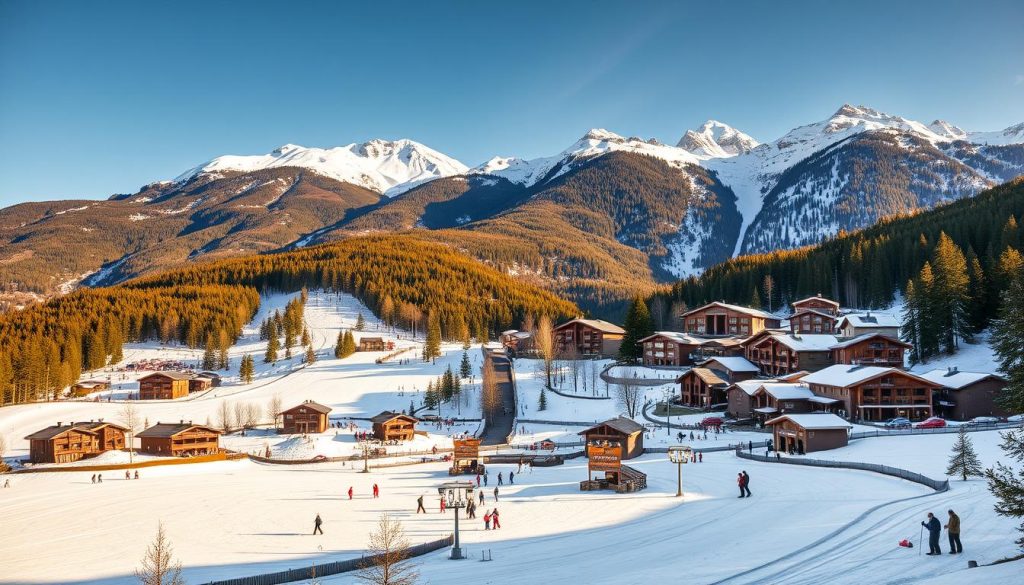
(964, 461)
(209, 355)
(1007, 484)
(310, 355)
(542, 404)
(247, 369)
(447, 385)
(348, 345)
(272, 346)
(638, 326)
(928, 319)
(465, 368)
(360, 322)
(223, 345)
(909, 327)
(432, 347)
(339, 346)
(430, 400)
(950, 294)
(1008, 343)
(115, 341)
(306, 339)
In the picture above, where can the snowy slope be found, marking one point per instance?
(389, 167)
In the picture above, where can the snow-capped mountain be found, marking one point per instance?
(715, 139)
(384, 166)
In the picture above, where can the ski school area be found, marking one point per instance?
(254, 512)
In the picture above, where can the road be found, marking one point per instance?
(501, 417)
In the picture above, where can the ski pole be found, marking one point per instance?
(920, 541)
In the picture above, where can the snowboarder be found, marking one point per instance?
(746, 483)
(495, 493)
(487, 520)
(511, 478)
(953, 531)
(350, 492)
(500, 482)
(419, 505)
(376, 491)
(316, 525)
(494, 519)
(739, 482)
(934, 528)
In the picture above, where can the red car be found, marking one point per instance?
(931, 423)
(712, 421)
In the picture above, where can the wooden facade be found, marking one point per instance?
(721, 319)
(394, 426)
(812, 321)
(816, 303)
(65, 443)
(199, 384)
(179, 440)
(588, 337)
(372, 344)
(701, 387)
(874, 393)
(89, 386)
(856, 324)
(668, 348)
(618, 431)
(608, 445)
(308, 417)
(515, 341)
(966, 395)
(164, 386)
(779, 354)
(806, 433)
(872, 349)
(466, 456)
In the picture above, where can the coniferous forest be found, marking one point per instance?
(405, 281)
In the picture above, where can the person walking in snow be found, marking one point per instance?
(934, 528)
(376, 491)
(136, 474)
(471, 509)
(478, 480)
(485, 478)
(350, 492)
(700, 457)
(419, 505)
(495, 493)
(750, 446)
(7, 483)
(94, 478)
(494, 519)
(500, 482)
(953, 531)
(739, 482)
(511, 478)
(481, 498)
(746, 483)
(316, 525)
(99, 478)
(487, 520)
(127, 475)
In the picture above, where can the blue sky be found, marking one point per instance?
(102, 97)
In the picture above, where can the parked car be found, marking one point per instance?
(931, 423)
(712, 421)
(1015, 418)
(983, 420)
(900, 422)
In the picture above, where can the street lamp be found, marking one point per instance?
(680, 454)
(456, 494)
(668, 411)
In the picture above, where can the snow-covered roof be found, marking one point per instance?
(817, 421)
(820, 312)
(750, 386)
(815, 298)
(598, 324)
(676, 336)
(865, 337)
(956, 379)
(737, 308)
(843, 375)
(784, 391)
(166, 430)
(510, 331)
(626, 426)
(314, 406)
(806, 341)
(870, 319)
(733, 363)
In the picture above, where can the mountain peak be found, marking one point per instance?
(716, 139)
(947, 130)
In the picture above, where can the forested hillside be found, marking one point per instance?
(869, 268)
(403, 279)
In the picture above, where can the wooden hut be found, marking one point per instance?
(608, 444)
(870, 349)
(372, 344)
(621, 430)
(308, 417)
(89, 386)
(179, 440)
(394, 426)
(588, 337)
(701, 387)
(805, 433)
(466, 457)
(215, 378)
(164, 385)
(62, 443)
(669, 348)
(199, 383)
(722, 319)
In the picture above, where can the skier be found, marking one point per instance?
(487, 520)
(750, 446)
(739, 482)
(316, 525)
(953, 530)
(746, 483)
(376, 491)
(494, 519)
(419, 505)
(511, 478)
(495, 493)
(350, 492)
(934, 528)
(500, 482)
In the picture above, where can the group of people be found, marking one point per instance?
(935, 527)
(743, 481)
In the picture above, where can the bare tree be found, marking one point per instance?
(226, 421)
(274, 408)
(252, 414)
(240, 414)
(769, 289)
(3, 449)
(575, 367)
(131, 421)
(659, 312)
(629, 395)
(388, 560)
(546, 346)
(159, 566)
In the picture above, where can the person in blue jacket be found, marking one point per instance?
(934, 529)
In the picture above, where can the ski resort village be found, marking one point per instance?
(749, 446)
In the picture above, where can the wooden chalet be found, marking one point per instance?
(65, 443)
(608, 444)
(372, 344)
(718, 347)
(966, 395)
(89, 386)
(394, 426)
(721, 319)
(588, 337)
(870, 349)
(179, 440)
(669, 348)
(731, 368)
(466, 456)
(779, 353)
(771, 399)
(308, 417)
(199, 383)
(215, 378)
(515, 341)
(164, 385)
(874, 393)
(856, 324)
(816, 303)
(805, 433)
(701, 387)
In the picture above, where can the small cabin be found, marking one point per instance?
(623, 431)
(164, 385)
(854, 324)
(215, 378)
(199, 383)
(806, 433)
(62, 444)
(608, 445)
(732, 368)
(515, 341)
(817, 303)
(372, 344)
(394, 426)
(466, 456)
(701, 387)
(179, 440)
(88, 387)
(588, 337)
(308, 417)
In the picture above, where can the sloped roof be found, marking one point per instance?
(676, 336)
(95, 425)
(749, 386)
(843, 375)
(598, 324)
(817, 421)
(53, 431)
(806, 341)
(733, 363)
(362, 339)
(622, 424)
(788, 391)
(865, 337)
(314, 406)
(816, 298)
(812, 311)
(172, 374)
(869, 320)
(737, 308)
(167, 430)
(957, 379)
(389, 415)
(708, 376)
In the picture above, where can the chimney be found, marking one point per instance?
(59, 423)
(953, 370)
(182, 421)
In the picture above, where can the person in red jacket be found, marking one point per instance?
(739, 482)
(376, 491)
(350, 492)
(494, 519)
(487, 521)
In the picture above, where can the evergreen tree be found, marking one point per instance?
(638, 326)
(115, 341)
(339, 346)
(306, 339)
(432, 347)
(430, 399)
(310, 355)
(272, 346)
(1006, 483)
(964, 460)
(247, 369)
(950, 294)
(909, 327)
(223, 345)
(542, 404)
(209, 355)
(1008, 343)
(360, 322)
(465, 368)
(447, 385)
(349, 345)
(928, 321)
